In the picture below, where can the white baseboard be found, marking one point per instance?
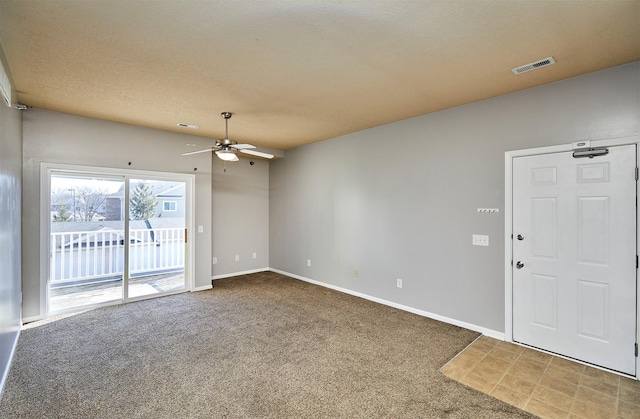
(488, 332)
(5, 373)
(253, 271)
(202, 288)
(32, 319)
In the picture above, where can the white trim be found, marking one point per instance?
(488, 332)
(44, 242)
(5, 374)
(32, 319)
(508, 225)
(508, 248)
(190, 221)
(126, 248)
(202, 288)
(252, 271)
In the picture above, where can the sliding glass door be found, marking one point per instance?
(86, 241)
(157, 237)
(115, 237)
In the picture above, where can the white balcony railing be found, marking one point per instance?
(93, 255)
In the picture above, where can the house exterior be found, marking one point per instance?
(170, 198)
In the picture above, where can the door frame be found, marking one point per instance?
(508, 224)
(46, 169)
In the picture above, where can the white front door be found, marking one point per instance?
(574, 256)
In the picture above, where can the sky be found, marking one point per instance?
(60, 183)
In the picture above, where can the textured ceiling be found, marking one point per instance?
(293, 71)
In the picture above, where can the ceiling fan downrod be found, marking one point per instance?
(226, 116)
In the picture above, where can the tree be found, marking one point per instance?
(89, 202)
(142, 203)
(60, 199)
(63, 214)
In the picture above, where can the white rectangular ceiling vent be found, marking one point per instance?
(185, 125)
(5, 85)
(533, 66)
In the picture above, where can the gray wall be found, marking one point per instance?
(400, 200)
(10, 205)
(60, 138)
(240, 204)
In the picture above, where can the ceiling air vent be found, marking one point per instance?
(533, 66)
(184, 125)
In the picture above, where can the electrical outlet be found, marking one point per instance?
(399, 283)
(308, 262)
(215, 260)
(255, 255)
(356, 273)
(237, 258)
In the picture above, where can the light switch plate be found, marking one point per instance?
(480, 240)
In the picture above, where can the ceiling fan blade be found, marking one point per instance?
(242, 146)
(257, 153)
(200, 151)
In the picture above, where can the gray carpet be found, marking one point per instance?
(255, 346)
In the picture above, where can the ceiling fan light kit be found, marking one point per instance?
(227, 155)
(227, 149)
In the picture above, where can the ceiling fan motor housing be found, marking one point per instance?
(226, 142)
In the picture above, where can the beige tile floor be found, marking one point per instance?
(542, 384)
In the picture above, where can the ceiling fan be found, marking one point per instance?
(227, 149)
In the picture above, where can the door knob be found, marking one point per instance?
(519, 265)
(520, 237)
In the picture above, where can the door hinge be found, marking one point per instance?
(636, 350)
(636, 261)
(636, 173)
